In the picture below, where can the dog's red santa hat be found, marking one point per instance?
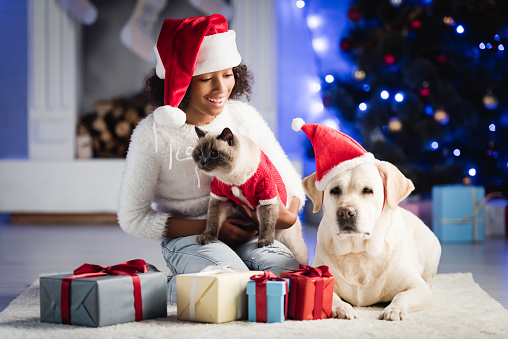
(335, 151)
(189, 47)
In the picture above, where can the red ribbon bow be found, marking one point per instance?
(90, 270)
(261, 298)
(309, 271)
(315, 272)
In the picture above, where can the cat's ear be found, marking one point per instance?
(227, 136)
(199, 132)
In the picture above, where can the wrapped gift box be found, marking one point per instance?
(311, 293)
(270, 306)
(458, 213)
(103, 300)
(213, 296)
(496, 218)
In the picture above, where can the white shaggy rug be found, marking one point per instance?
(462, 310)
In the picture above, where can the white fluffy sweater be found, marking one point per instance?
(161, 180)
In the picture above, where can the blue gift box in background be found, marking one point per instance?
(275, 297)
(458, 213)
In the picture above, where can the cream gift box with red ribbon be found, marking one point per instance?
(215, 295)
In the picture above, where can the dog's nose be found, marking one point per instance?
(346, 212)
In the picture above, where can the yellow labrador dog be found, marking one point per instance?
(377, 251)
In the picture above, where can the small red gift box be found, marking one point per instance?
(311, 293)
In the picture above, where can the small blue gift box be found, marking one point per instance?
(275, 298)
(458, 213)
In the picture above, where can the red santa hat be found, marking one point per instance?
(188, 47)
(335, 151)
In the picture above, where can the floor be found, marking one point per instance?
(27, 251)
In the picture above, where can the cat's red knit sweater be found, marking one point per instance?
(262, 188)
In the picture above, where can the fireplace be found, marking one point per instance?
(52, 180)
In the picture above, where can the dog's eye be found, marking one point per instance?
(214, 153)
(335, 191)
(367, 190)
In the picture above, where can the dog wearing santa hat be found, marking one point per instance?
(376, 250)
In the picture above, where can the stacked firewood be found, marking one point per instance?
(106, 132)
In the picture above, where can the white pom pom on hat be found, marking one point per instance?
(297, 124)
(169, 116)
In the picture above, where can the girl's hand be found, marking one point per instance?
(235, 231)
(287, 215)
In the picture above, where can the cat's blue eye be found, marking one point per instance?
(200, 153)
(214, 153)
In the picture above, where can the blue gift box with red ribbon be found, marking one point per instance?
(97, 296)
(267, 298)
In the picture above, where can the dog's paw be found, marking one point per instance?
(205, 238)
(343, 311)
(265, 242)
(393, 313)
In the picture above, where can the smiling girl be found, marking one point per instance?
(197, 81)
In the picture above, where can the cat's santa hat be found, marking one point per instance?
(189, 47)
(335, 151)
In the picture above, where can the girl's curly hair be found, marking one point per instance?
(154, 87)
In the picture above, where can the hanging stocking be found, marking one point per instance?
(210, 7)
(81, 10)
(136, 35)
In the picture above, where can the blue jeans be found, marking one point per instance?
(184, 255)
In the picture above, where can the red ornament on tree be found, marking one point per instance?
(424, 92)
(415, 24)
(345, 44)
(389, 59)
(354, 14)
(441, 58)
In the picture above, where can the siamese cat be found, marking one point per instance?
(243, 175)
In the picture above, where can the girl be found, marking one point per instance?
(197, 78)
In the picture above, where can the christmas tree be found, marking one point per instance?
(430, 90)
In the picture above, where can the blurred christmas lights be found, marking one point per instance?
(490, 101)
(441, 116)
(320, 44)
(314, 21)
(395, 125)
(448, 21)
(359, 75)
